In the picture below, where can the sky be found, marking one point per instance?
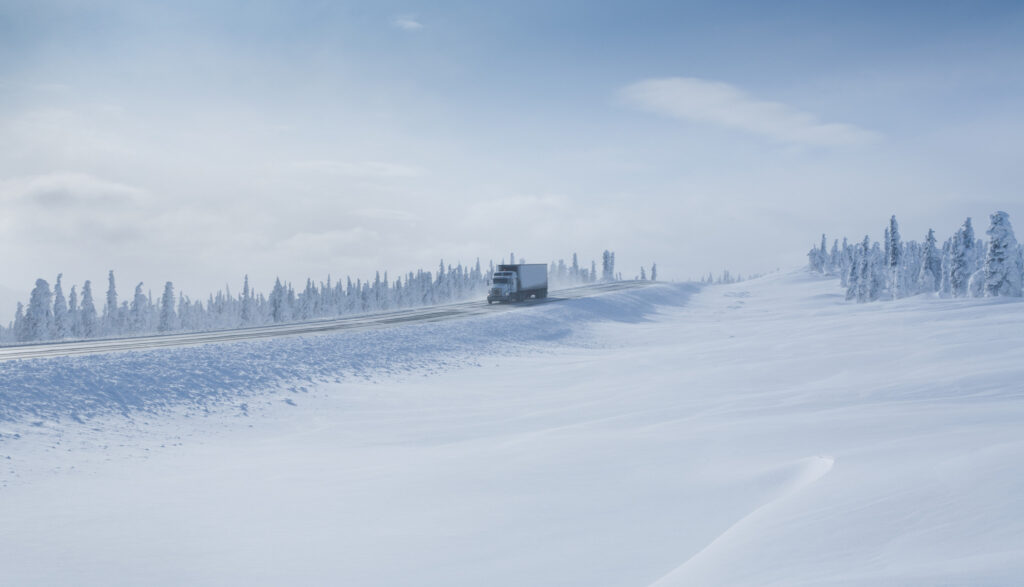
(198, 142)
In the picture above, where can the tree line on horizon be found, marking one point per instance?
(49, 315)
(964, 266)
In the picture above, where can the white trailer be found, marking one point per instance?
(514, 283)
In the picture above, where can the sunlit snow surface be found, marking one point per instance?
(763, 433)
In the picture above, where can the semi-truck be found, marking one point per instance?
(514, 283)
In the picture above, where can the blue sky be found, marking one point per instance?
(199, 141)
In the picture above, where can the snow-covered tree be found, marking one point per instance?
(654, 272)
(111, 317)
(844, 264)
(39, 316)
(247, 302)
(167, 316)
(20, 325)
(1003, 269)
(817, 257)
(946, 288)
(74, 314)
(88, 313)
(964, 266)
(878, 272)
(894, 255)
(278, 311)
(930, 276)
(60, 311)
(137, 318)
(962, 260)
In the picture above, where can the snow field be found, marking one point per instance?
(761, 433)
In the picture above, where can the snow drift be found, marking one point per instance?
(761, 433)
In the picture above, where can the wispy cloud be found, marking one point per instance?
(73, 208)
(719, 103)
(66, 190)
(407, 22)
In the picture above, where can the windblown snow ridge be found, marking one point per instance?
(204, 376)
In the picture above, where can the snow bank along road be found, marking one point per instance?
(361, 322)
(761, 433)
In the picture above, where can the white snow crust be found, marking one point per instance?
(760, 433)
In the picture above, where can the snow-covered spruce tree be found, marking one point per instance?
(137, 319)
(111, 317)
(930, 276)
(816, 257)
(20, 326)
(894, 253)
(90, 327)
(962, 257)
(167, 316)
(845, 263)
(39, 316)
(60, 311)
(868, 277)
(910, 267)
(189, 316)
(879, 274)
(1003, 269)
(278, 312)
(946, 288)
(654, 272)
(643, 274)
(826, 264)
(814, 260)
(857, 288)
(74, 316)
(247, 303)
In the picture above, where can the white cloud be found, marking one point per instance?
(719, 103)
(72, 209)
(58, 190)
(406, 23)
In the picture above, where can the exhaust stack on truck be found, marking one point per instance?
(514, 283)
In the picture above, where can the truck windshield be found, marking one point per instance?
(500, 280)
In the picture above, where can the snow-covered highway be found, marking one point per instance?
(350, 323)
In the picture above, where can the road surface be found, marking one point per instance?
(359, 322)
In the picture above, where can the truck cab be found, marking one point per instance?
(514, 283)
